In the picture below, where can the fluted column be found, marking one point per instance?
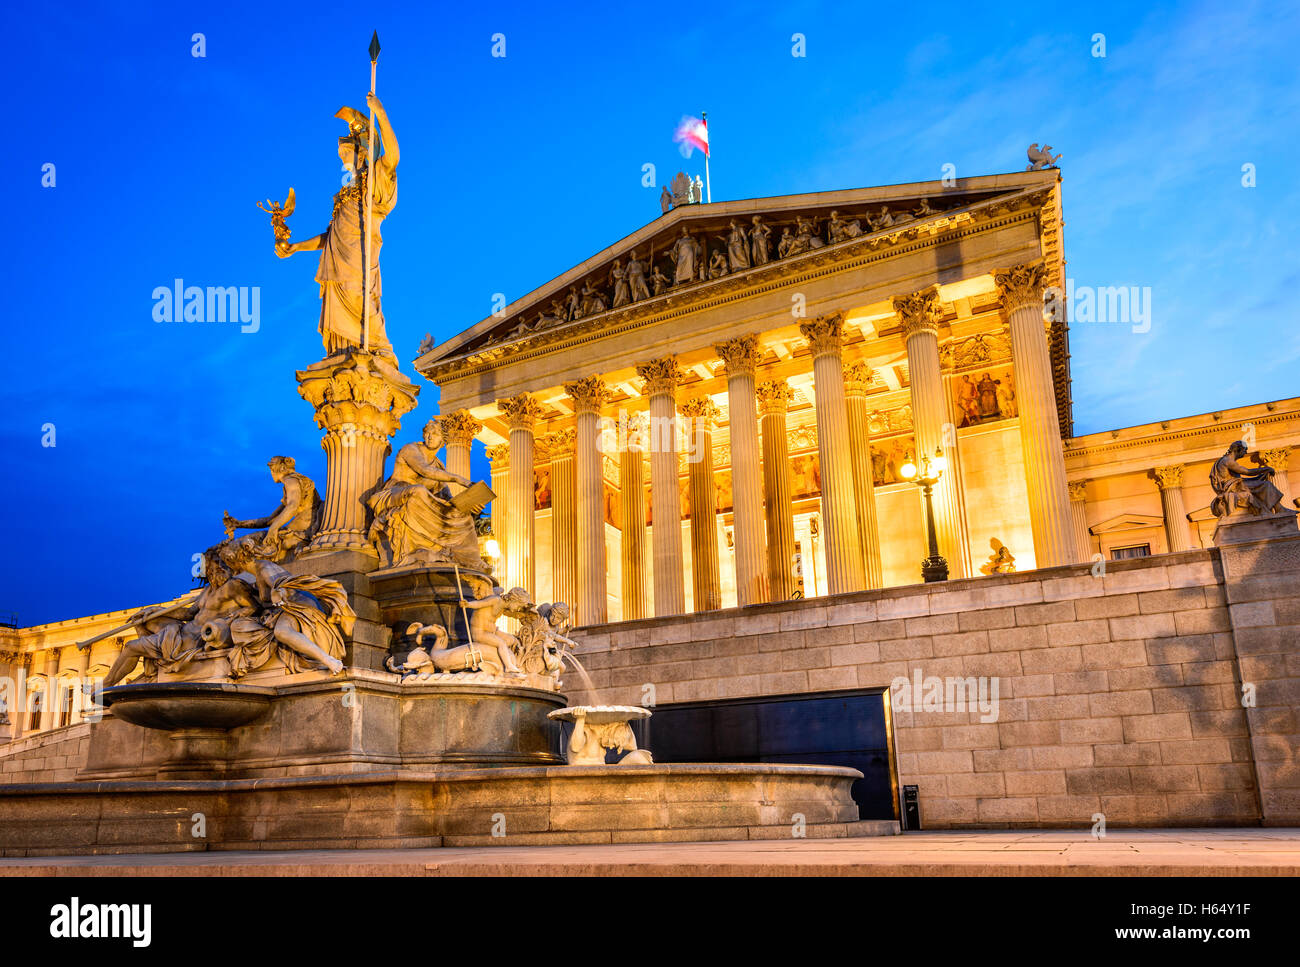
(1021, 289)
(741, 358)
(631, 476)
(661, 377)
(702, 415)
(844, 570)
(856, 379)
(521, 413)
(778, 499)
(920, 314)
(499, 463)
(458, 432)
(588, 396)
(359, 404)
(564, 518)
(1170, 482)
(1078, 513)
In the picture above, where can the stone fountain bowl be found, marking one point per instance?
(188, 705)
(601, 714)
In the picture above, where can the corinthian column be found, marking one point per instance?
(458, 432)
(588, 396)
(1278, 459)
(778, 499)
(741, 359)
(702, 415)
(843, 549)
(1021, 289)
(856, 380)
(631, 476)
(1170, 481)
(1078, 513)
(661, 377)
(499, 464)
(521, 413)
(920, 314)
(564, 518)
(359, 405)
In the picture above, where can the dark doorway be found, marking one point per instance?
(832, 728)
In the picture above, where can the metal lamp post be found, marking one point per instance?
(934, 567)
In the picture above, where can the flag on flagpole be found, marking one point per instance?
(695, 132)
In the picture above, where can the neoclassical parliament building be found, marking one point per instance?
(700, 438)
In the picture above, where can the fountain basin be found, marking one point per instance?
(173, 706)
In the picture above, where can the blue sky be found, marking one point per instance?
(513, 169)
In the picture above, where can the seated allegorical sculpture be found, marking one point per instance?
(1238, 487)
(1000, 561)
(293, 523)
(417, 520)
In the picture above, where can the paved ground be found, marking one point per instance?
(1163, 852)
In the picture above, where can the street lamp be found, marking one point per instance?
(934, 567)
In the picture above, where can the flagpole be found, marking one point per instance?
(370, 199)
(708, 189)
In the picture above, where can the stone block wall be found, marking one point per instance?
(54, 756)
(1118, 693)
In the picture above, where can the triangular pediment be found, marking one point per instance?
(1126, 522)
(798, 230)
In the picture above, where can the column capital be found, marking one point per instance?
(857, 377)
(919, 311)
(774, 396)
(1167, 477)
(589, 394)
(825, 334)
(661, 376)
(499, 455)
(1078, 489)
(1276, 458)
(740, 355)
(701, 408)
(1021, 285)
(561, 442)
(521, 412)
(459, 428)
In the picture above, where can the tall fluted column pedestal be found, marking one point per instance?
(1021, 288)
(778, 499)
(844, 570)
(1177, 533)
(588, 396)
(359, 400)
(521, 414)
(661, 378)
(706, 581)
(856, 379)
(741, 358)
(564, 518)
(631, 476)
(920, 314)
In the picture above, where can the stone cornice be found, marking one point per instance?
(1171, 436)
(848, 256)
